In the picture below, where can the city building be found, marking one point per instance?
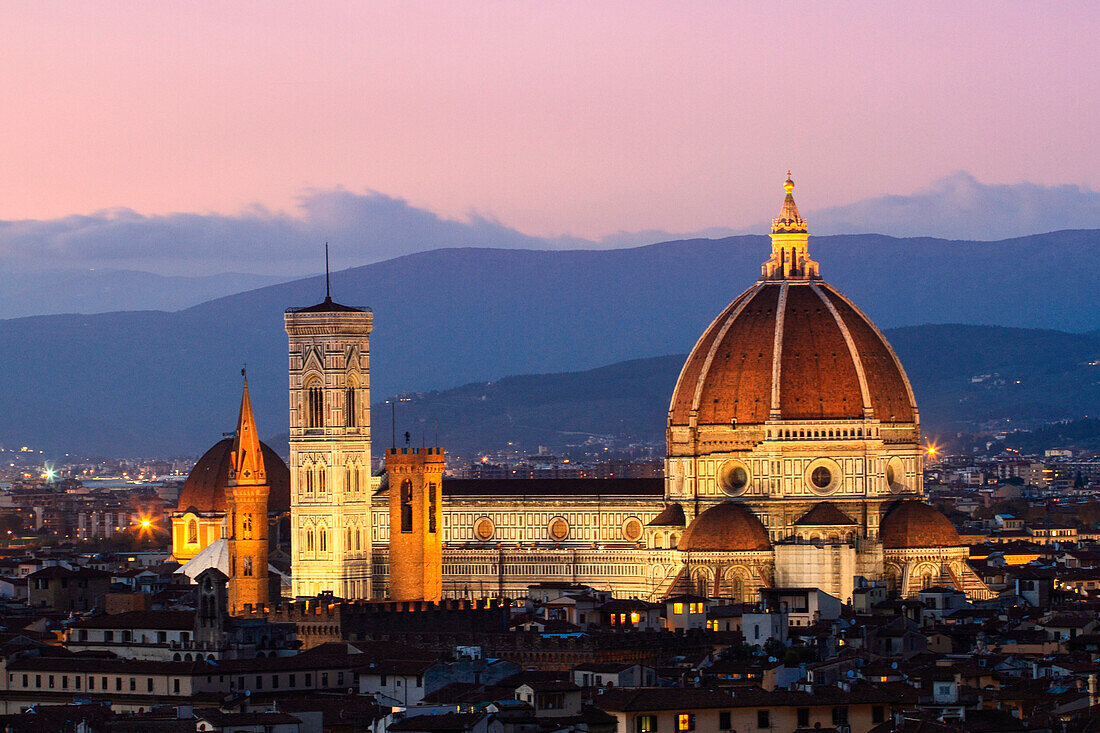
(793, 460)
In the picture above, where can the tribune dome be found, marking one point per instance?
(914, 524)
(791, 347)
(725, 527)
(205, 487)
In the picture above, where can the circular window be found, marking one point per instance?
(483, 529)
(823, 476)
(733, 477)
(559, 528)
(632, 529)
(895, 475)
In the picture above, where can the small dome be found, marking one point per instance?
(912, 524)
(726, 527)
(671, 516)
(204, 489)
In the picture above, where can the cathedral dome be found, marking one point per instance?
(798, 346)
(205, 487)
(911, 524)
(791, 347)
(725, 527)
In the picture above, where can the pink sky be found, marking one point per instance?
(557, 118)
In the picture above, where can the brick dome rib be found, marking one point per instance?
(725, 527)
(817, 377)
(914, 524)
(833, 363)
(205, 487)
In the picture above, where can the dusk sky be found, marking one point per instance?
(554, 119)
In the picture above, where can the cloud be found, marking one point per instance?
(362, 228)
(369, 227)
(959, 206)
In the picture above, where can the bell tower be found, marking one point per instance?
(330, 459)
(416, 523)
(247, 504)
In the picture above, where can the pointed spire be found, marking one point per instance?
(328, 287)
(789, 219)
(247, 460)
(790, 254)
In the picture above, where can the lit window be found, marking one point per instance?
(677, 608)
(685, 721)
(349, 415)
(315, 401)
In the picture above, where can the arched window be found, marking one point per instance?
(192, 532)
(309, 540)
(351, 418)
(309, 480)
(348, 545)
(406, 506)
(246, 527)
(322, 540)
(321, 480)
(315, 405)
(246, 568)
(359, 539)
(433, 498)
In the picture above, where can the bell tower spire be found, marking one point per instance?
(790, 258)
(247, 498)
(247, 467)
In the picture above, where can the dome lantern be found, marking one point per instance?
(790, 254)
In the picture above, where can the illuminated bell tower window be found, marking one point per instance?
(315, 406)
(349, 404)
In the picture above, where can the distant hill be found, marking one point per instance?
(167, 383)
(102, 291)
(963, 376)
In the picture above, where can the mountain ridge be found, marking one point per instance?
(164, 382)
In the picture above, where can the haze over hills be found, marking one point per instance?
(50, 292)
(965, 377)
(167, 382)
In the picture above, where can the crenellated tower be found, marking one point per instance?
(416, 523)
(247, 500)
(330, 457)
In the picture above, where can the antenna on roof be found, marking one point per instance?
(328, 289)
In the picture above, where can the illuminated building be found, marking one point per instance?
(794, 459)
(330, 480)
(247, 520)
